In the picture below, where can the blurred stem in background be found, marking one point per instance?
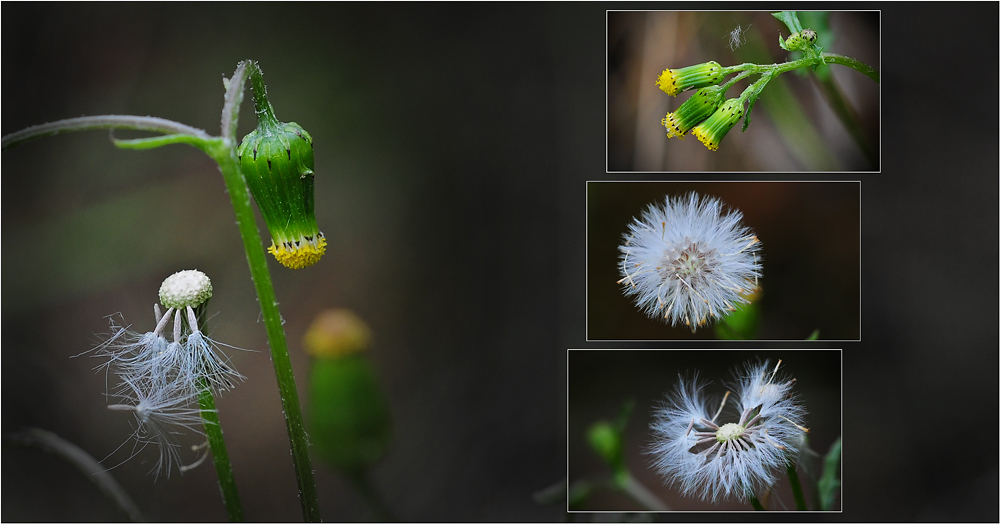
(86, 464)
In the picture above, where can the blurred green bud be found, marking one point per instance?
(606, 440)
(349, 418)
(335, 333)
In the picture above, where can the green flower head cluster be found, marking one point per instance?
(700, 106)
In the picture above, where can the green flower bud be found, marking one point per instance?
(713, 130)
(697, 108)
(799, 41)
(277, 160)
(673, 81)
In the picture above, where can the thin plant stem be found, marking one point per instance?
(85, 463)
(227, 481)
(793, 479)
(224, 153)
(641, 494)
(87, 123)
(756, 504)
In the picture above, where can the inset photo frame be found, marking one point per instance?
(692, 430)
(724, 260)
(741, 91)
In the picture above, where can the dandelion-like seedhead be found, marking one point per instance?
(162, 374)
(721, 454)
(687, 261)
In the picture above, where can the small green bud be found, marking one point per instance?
(674, 81)
(799, 41)
(713, 130)
(277, 160)
(692, 112)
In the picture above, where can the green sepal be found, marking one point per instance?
(277, 161)
(349, 418)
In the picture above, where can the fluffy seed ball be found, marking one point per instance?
(687, 261)
(731, 451)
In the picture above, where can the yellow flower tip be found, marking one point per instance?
(299, 254)
(337, 333)
(672, 123)
(703, 135)
(668, 82)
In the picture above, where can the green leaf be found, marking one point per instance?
(752, 98)
(829, 483)
(740, 324)
(790, 19)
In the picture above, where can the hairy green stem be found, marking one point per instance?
(227, 481)
(87, 123)
(224, 152)
(823, 58)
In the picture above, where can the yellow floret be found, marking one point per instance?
(298, 256)
(668, 82)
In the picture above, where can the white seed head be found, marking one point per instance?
(185, 288)
(712, 460)
(687, 261)
(728, 432)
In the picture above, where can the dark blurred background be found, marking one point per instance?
(810, 233)
(794, 127)
(453, 146)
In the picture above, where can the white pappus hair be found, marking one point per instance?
(688, 261)
(700, 454)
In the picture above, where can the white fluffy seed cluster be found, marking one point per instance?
(185, 288)
(687, 261)
(694, 451)
(163, 372)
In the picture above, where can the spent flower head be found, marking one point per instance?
(688, 261)
(714, 454)
(163, 373)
